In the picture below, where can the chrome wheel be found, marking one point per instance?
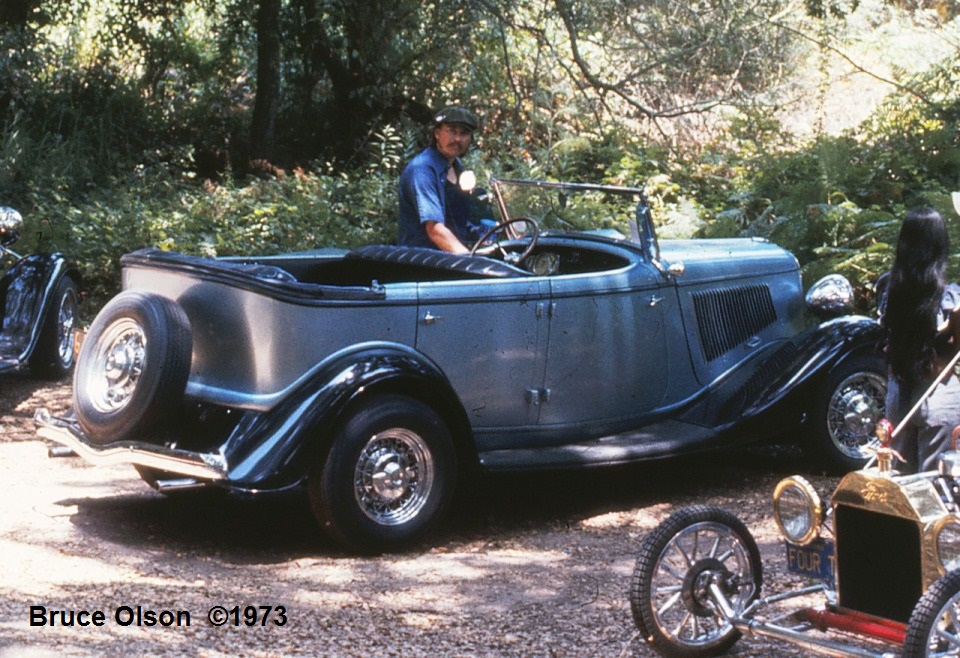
(117, 366)
(120, 390)
(670, 595)
(394, 476)
(66, 327)
(689, 561)
(854, 408)
(388, 477)
(53, 356)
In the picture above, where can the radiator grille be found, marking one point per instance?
(878, 563)
(727, 317)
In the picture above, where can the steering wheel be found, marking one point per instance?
(512, 258)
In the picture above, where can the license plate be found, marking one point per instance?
(815, 560)
(78, 337)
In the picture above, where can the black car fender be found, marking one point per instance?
(807, 360)
(275, 449)
(26, 292)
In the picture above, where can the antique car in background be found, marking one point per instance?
(377, 377)
(883, 560)
(39, 300)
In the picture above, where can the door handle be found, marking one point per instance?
(430, 318)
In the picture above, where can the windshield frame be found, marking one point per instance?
(642, 232)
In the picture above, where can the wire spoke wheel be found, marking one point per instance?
(669, 596)
(388, 477)
(54, 356)
(394, 476)
(853, 411)
(851, 399)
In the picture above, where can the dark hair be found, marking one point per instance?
(913, 297)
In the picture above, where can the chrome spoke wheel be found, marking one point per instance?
(117, 366)
(696, 552)
(394, 476)
(388, 477)
(66, 327)
(854, 408)
(696, 555)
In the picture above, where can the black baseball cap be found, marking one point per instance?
(457, 115)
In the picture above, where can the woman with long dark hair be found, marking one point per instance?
(917, 307)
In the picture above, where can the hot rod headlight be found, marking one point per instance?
(946, 534)
(797, 510)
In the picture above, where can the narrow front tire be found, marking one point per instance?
(669, 596)
(934, 626)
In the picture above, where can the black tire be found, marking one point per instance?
(933, 629)
(667, 593)
(845, 413)
(53, 356)
(389, 475)
(132, 368)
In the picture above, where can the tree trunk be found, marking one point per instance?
(268, 81)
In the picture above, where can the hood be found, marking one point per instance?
(717, 260)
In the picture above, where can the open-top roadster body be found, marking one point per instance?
(39, 305)
(375, 376)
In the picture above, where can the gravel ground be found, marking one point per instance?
(532, 565)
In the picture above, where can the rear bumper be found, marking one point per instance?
(67, 432)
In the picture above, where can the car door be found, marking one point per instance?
(608, 358)
(488, 336)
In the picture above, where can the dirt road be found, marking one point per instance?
(531, 565)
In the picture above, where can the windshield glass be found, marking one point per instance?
(569, 206)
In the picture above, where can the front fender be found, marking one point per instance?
(26, 293)
(815, 354)
(275, 449)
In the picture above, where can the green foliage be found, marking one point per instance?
(300, 211)
(125, 125)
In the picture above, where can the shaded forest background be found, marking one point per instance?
(256, 126)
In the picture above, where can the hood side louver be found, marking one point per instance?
(727, 317)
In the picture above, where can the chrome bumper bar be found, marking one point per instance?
(171, 460)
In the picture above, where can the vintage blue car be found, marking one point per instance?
(39, 303)
(377, 377)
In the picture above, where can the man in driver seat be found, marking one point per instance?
(434, 207)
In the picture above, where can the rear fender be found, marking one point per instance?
(275, 449)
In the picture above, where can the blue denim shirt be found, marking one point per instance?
(427, 195)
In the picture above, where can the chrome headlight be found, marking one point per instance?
(946, 534)
(831, 295)
(797, 510)
(10, 225)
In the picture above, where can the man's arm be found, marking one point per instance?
(444, 238)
